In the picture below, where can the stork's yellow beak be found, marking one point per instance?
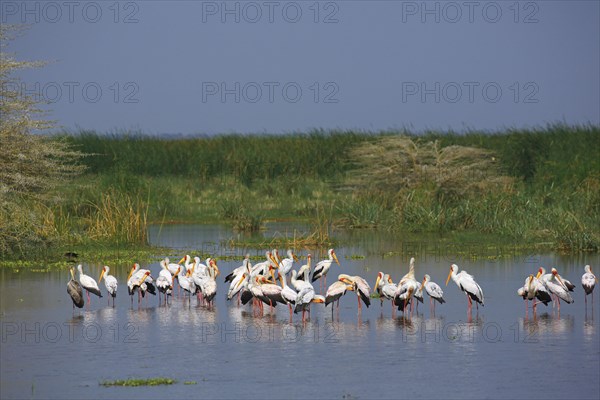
(101, 275)
(130, 272)
(377, 282)
(449, 275)
(347, 281)
(214, 263)
(241, 281)
(336, 259)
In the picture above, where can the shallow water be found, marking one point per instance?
(499, 351)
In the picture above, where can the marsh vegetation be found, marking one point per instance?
(71, 189)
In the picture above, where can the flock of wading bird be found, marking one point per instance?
(258, 284)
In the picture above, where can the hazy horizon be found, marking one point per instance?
(189, 68)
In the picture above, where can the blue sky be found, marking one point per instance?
(281, 66)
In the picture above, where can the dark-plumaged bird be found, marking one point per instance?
(75, 291)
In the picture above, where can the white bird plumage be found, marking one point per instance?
(433, 290)
(588, 282)
(467, 284)
(285, 265)
(335, 291)
(110, 282)
(88, 283)
(386, 288)
(323, 266)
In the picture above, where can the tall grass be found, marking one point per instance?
(247, 157)
(119, 217)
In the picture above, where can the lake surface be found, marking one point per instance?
(499, 351)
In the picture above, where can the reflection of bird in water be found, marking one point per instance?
(110, 282)
(88, 283)
(408, 326)
(555, 324)
(588, 281)
(589, 329)
(467, 284)
(75, 291)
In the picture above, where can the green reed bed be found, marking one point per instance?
(531, 186)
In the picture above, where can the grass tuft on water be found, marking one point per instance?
(139, 382)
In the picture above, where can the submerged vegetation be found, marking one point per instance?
(140, 382)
